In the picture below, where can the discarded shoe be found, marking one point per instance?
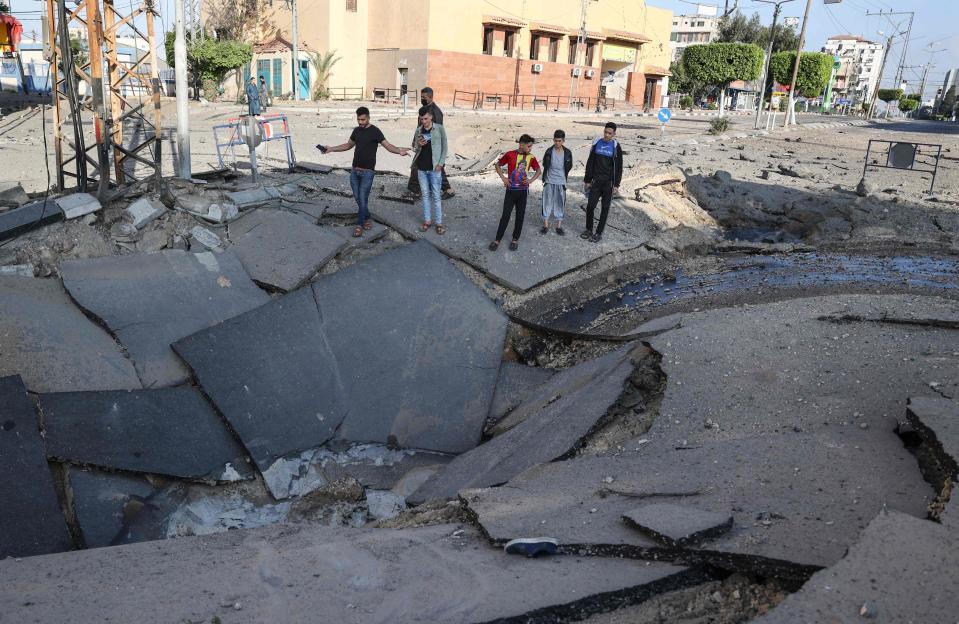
(532, 546)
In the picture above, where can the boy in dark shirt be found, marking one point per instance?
(604, 172)
(366, 138)
(516, 179)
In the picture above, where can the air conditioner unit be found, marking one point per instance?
(590, 73)
(537, 68)
(576, 72)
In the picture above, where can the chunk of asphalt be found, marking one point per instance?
(143, 211)
(552, 429)
(324, 359)
(901, 569)
(797, 504)
(515, 383)
(318, 573)
(28, 217)
(166, 431)
(268, 371)
(678, 525)
(114, 508)
(280, 251)
(31, 522)
(47, 340)
(936, 421)
(151, 300)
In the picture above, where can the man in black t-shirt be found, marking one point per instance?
(365, 138)
(428, 106)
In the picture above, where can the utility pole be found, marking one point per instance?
(769, 54)
(182, 96)
(296, 53)
(580, 40)
(902, 61)
(902, 58)
(882, 67)
(791, 110)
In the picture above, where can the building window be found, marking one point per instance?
(674, 36)
(590, 52)
(487, 41)
(351, 6)
(534, 48)
(573, 42)
(509, 41)
(553, 49)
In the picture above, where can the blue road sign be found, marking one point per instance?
(664, 115)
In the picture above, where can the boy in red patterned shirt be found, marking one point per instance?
(516, 179)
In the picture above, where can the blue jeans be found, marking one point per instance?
(430, 182)
(361, 181)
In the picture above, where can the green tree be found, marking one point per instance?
(4, 7)
(889, 95)
(718, 64)
(909, 102)
(737, 28)
(323, 63)
(680, 82)
(211, 59)
(814, 71)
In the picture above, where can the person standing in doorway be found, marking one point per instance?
(430, 144)
(557, 163)
(264, 94)
(604, 172)
(428, 106)
(366, 138)
(252, 97)
(518, 162)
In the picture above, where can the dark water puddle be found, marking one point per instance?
(756, 273)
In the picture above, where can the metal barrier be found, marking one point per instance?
(273, 127)
(481, 100)
(465, 96)
(346, 93)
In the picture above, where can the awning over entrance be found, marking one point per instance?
(279, 44)
(590, 35)
(549, 29)
(652, 70)
(626, 36)
(503, 22)
(10, 31)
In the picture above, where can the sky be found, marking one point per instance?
(936, 24)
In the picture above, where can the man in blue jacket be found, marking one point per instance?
(557, 163)
(604, 172)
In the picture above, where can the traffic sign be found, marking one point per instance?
(664, 115)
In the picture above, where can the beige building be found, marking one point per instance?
(522, 52)
(699, 28)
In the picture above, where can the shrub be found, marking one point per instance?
(719, 125)
(686, 102)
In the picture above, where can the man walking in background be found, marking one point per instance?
(264, 94)
(518, 163)
(557, 163)
(604, 171)
(252, 97)
(428, 106)
(366, 138)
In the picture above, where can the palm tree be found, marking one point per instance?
(324, 65)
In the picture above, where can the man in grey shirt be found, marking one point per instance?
(557, 163)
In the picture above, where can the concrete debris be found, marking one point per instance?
(30, 514)
(678, 525)
(143, 211)
(124, 232)
(221, 213)
(206, 238)
(78, 205)
(384, 505)
(15, 222)
(17, 270)
(12, 195)
(253, 197)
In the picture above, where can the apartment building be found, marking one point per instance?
(858, 73)
(530, 49)
(700, 27)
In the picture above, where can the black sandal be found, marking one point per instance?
(514, 245)
(494, 246)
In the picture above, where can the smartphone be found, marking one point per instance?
(321, 147)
